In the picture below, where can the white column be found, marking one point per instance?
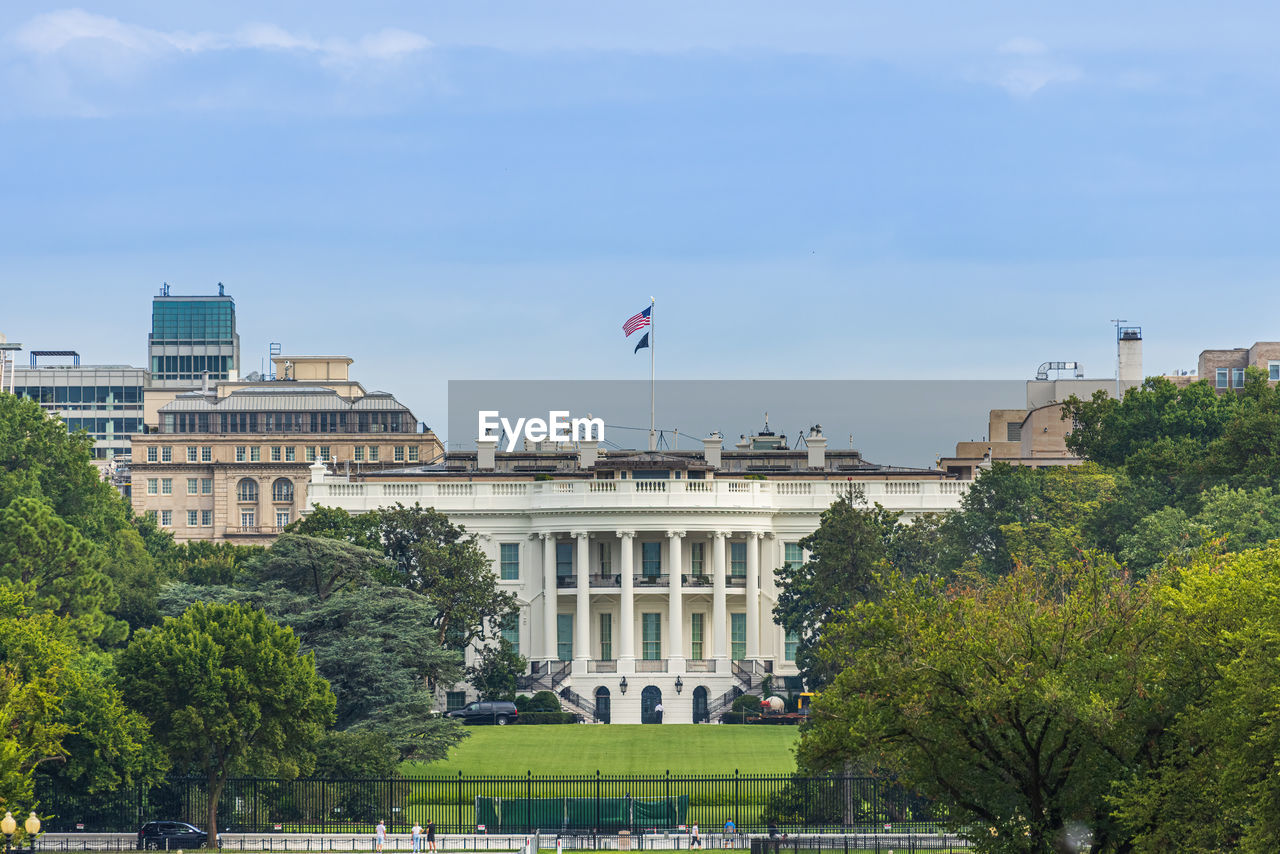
(627, 612)
(582, 631)
(753, 595)
(675, 607)
(719, 607)
(548, 596)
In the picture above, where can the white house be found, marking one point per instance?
(645, 577)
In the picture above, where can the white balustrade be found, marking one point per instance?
(650, 485)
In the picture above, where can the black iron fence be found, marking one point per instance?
(509, 804)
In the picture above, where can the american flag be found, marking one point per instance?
(639, 321)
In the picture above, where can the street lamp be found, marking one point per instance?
(32, 824)
(679, 684)
(8, 826)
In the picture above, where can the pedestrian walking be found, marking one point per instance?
(417, 837)
(380, 835)
(695, 838)
(657, 710)
(431, 835)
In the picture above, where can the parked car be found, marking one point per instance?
(171, 835)
(498, 712)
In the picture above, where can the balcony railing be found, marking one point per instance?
(598, 665)
(252, 530)
(700, 665)
(651, 665)
(696, 580)
(644, 579)
(566, 581)
(607, 580)
(736, 581)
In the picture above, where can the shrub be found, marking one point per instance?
(547, 718)
(747, 703)
(544, 701)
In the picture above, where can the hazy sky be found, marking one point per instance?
(462, 190)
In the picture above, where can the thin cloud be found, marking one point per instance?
(66, 30)
(1027, 66)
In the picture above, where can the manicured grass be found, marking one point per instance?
(618, 749)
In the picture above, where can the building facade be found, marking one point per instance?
(644, 577)
(1225, 368)
(231, 463)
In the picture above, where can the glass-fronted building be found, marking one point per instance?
(192, 335)
(104, 400)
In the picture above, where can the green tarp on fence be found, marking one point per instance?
(514, 814)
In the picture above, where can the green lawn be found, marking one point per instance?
(618, 749)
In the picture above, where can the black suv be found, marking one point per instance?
(170, 836)
(498, 712)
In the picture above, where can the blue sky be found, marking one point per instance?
(462, 190)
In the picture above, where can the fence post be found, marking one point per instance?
(597, 800)
(737, 798)
(460, 830)
(528, 800)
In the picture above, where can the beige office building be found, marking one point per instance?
(231, 463)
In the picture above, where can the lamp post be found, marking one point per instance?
(8, 826)
(622, 686)
(32, 825)
(679, 684)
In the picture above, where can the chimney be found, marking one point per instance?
(1129, 348)
(817, 444)
(486, 446)
(588, 452)
(711, 447)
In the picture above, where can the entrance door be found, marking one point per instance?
(700, 715)
(650, 699)
(602, 705)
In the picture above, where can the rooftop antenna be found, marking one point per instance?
(164, 289)
(1117, 323)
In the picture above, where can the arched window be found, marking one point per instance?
(603, 712)
(701, 714)
(282, 489)
(247, 490)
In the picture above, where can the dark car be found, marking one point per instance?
(498, 712)
(171, 835)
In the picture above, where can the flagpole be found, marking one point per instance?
(653, 435)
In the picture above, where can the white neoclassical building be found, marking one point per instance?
(645, 577)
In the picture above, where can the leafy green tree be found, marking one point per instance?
(496, 671)
(226, 689)
(1017, 700)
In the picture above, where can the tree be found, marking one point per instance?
(431, 556)
(227, 689)
(1017, 700)
(496, 671)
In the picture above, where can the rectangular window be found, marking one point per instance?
(152, 515)
(651, 559)
(255, 454)
(738, 560)
(1237, 377)
(166, 518)
(191, 453)
(373, 453)
(789, 651)
(153, 486)
(606, 637)
(240, 453)
(247, 519)
(1222, 378)
(206, 518)
(698, 558)
(166, 486)
(311, 453)
(651, 636)
(511, 632)
(290, 454)
(359, 453)
(413, 453)
(193, 518)
(152, 454)
(737, 636)
(697, 636)
(1273, 371)
(166, 454)
(206, 453)
(398, 453)
(564, 637)
(282, 518)
(509, 561)
(206, 486)
(564, 559)
(275, 453)
(324, 453)
(454, 700)
(193, 485)
(794, 556)
(604, 557)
